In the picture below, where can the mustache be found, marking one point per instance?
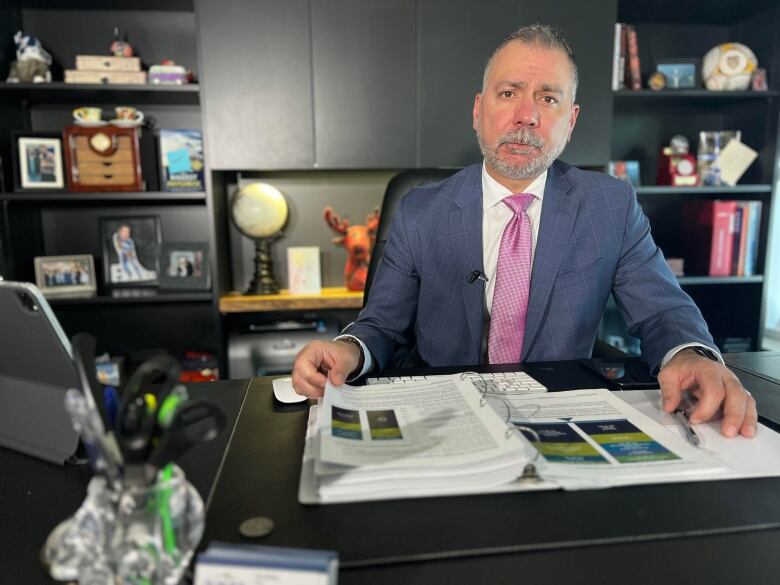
(522, 136)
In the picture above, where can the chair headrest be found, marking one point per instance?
(399, 186)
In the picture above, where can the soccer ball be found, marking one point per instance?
(728, 67)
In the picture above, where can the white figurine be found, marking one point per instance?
(32, 61)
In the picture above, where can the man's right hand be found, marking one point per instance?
(320, 360)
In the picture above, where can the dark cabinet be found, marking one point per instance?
(456, 40)
(363, 55)
(351, 84)
(458, 37)
(257, 83)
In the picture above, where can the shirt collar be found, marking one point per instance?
(493, 191)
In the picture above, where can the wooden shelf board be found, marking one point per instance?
(107, 196)
(330, 298)
(698, 93)
(61, 92)
(696, 280)
(135, 296)
(725, 190)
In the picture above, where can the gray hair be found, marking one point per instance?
(537, 35)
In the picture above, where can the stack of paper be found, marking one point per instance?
(440, 438)
(435, 438)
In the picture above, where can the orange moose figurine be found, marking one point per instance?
(358, 240)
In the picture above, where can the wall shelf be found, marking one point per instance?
(627, 95)
(330, 298)
(135, 296)
(667, 190)
(106, 197)
(79, 93)
(697, 280)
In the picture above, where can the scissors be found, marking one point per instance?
(194, 422)
(137, 416)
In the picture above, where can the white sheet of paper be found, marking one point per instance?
(734, 161)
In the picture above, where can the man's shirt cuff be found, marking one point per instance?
(368, 361)
(675, 350)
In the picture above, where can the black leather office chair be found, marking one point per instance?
(399, 186)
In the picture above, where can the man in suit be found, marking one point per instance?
(514, 259)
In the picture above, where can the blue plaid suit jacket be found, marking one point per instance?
(593, 240)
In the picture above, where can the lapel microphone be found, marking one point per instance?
(476, 274)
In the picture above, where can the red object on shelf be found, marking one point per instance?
(709, 237)
(199, 366)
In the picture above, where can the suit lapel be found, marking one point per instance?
(559, 212)
(465, 223)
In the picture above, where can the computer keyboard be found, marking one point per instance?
(497, 382)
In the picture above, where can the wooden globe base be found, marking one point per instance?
(263, 281)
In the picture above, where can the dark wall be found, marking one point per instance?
(361, 84)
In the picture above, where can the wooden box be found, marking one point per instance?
(105, 158)
(106, 77)
(106, 63)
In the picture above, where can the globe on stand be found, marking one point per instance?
(260, 211)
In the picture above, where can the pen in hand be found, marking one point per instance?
(690, 435)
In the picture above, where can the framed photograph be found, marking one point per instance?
(679, 73)
(66, 276)
(38, 162)
(131, 250)
(625, 170)
(184, 265)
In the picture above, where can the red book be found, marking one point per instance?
(709, 237)
(633, 58)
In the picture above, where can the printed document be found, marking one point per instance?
(443, 437)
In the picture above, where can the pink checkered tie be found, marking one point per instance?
(513, 282)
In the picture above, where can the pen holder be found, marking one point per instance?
(139, 534)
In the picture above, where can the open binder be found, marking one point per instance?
(450, 437)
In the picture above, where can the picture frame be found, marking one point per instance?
(185, 266)
(38, 162)
(131, 250)
(66, 276)
(625, 170)
(684, 73)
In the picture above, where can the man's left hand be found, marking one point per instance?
(715, 386)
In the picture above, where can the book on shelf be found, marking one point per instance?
(721, 237)
(753, 224)
(619, 57)
(181, 160)
(634, 72)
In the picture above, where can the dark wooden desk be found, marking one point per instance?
(762, 364)
(705, 532)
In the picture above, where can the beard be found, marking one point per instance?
(518, 169)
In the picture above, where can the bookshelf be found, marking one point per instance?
(644, 121)
(58, 223)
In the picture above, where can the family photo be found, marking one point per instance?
(130, 250)
(40, 163)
